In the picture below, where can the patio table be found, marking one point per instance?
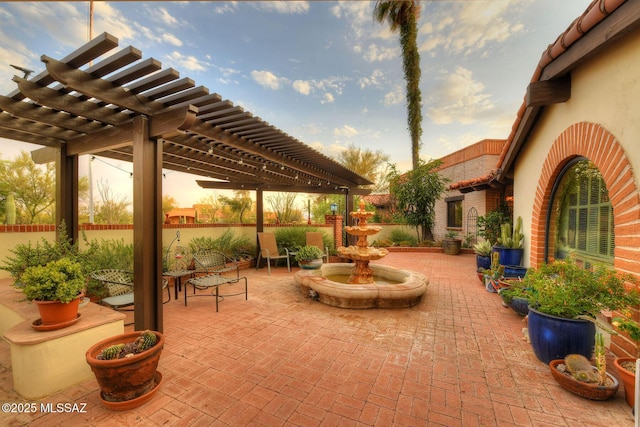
(177, 276)
(214, 281)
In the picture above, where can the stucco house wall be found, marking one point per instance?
(600, 122)
(471, 162)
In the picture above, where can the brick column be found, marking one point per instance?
(336, 221)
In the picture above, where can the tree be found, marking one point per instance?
(416, 193)
(33, 187)
(113, 209)
(372, 165)
(168, 204)
(403, 15)
(239, 205)
(283, 206)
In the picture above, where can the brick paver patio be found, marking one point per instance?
(457, 359)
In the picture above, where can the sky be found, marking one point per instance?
(322, 71)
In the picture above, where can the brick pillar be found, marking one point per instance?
(336, 221)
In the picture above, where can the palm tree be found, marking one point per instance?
(403, 15)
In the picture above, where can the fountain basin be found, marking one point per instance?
(407, 292)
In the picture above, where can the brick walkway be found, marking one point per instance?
(457, 359)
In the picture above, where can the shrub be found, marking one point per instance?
(228, 243)
(295, 237)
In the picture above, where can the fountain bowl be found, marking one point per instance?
(407, 292)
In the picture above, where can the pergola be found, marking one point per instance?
(128, 108)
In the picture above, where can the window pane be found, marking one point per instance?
(582, 215)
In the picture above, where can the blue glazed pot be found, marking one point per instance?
(520, 305)
(510, 256)
(512, 271)
(483, 262)
(554, 337)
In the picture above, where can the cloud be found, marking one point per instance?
(327, 98)
(378, 53)
(284, 7)
(395, 97)
(187, 62)
(226, 7)
(345, 131)
(302, 86)
(357, 14)
(163, 16)
(457, 98)
(469, 27)
(267, 79)
(376, 79)
(171, 39)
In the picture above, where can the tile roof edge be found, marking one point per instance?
(595, 13)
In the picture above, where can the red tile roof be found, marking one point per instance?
(595, 13)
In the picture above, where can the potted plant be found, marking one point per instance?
(493, 274)
(576, 374)
(125, 367)
(309, 257)
(565, 302)
(451, 244)
(626, 366)
(516, 296)
(511, 244)
(57, 290)
(483, 255)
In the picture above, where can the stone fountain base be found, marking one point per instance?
(407, 292)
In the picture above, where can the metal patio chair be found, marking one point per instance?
(269, 251)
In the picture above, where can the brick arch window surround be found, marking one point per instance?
(592, 141)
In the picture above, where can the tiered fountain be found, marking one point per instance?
(361, 253)
(358, 284)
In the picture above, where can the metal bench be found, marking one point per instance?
(213, 262)
(119, 285)
(214, 281)
(210, 267)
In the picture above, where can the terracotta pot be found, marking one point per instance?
(628, 379)
(582, 389)
(128, 378)
(56, 312)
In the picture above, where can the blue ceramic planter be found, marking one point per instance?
(512, 271)
(554, 337)
(509, 256)
(483, 262)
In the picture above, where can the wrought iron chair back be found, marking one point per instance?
(213, 262)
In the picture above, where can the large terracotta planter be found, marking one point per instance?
(57, 313)
(627, 378)
(451, 246)
(582, 389)
(129, 378)
(554, 337)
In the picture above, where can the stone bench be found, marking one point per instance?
(43, 363)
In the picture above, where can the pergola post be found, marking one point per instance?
(147, 227)
(66, 192)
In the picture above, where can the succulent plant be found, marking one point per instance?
(111, 352)
(145, 341)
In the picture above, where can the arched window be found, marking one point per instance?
(581, 216)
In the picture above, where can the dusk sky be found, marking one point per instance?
(322, 71)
